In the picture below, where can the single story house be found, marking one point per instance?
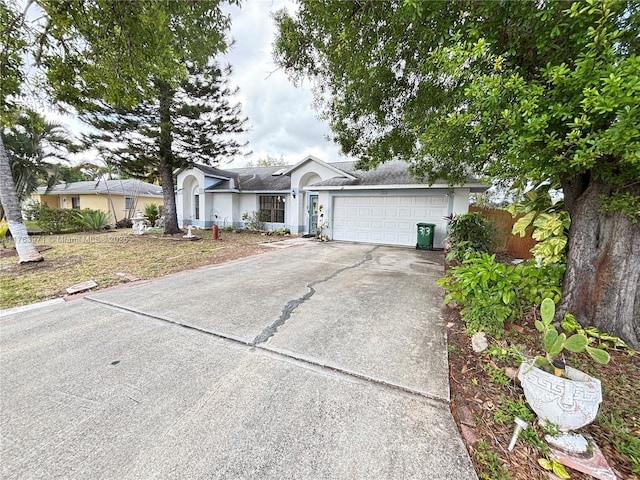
(379, 206)
(120, 198)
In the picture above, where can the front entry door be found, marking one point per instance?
(312, 208)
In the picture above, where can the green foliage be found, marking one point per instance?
(509, 354)
(605, 340)
(626, 203)
(12, 56)
(147, 51)
(60, 220)
(492, 468)
(548, 218)
(506, 413)
(490, 293)
(33, 145)
(496, 375)
(152, 212)
(195, 121)
(510, 409)
(513, 91)
(469, 231)
(31, 209)
(461, 251)
(94, 220)
(145, 40)
(493, 93)
(623, 438)
(555, 343)
(268, 161)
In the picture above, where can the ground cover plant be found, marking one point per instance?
(486, 396)
(491, 293)
(112, 258)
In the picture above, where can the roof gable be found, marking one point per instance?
(331, 166)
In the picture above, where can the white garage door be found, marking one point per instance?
(390, 220)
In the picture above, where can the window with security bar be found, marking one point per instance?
(272, 208)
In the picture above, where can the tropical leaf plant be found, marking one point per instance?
(554, 343)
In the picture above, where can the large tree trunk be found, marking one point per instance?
(169, 209)
(602, 282)
(166, 159)
(26, 250)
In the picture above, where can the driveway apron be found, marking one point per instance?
(317, 361)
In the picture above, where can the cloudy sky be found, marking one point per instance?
(282, 121)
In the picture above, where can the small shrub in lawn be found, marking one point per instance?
(94, 220)
(152, 213)
(59, 220)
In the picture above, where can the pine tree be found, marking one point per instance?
(175, 128)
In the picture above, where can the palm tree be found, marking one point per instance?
(30, 143)
(27, 252)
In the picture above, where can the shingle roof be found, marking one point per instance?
(127, 187)
(390, 173)
(253, 179)
(263, 178)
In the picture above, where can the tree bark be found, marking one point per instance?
(166, 159)
(27, 252)
(602, 281)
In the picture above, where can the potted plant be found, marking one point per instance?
(563, 397)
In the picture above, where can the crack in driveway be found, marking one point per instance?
(289, 308)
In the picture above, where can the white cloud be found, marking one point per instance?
(281, 121)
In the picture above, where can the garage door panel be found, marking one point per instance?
(388, 219)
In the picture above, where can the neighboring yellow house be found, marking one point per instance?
(120, 198)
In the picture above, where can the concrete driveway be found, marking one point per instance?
(315, 361)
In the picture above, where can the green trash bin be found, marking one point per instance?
(425, 236)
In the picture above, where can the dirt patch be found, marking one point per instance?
(12, 252)
(53, 264)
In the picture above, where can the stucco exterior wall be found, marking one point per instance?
(247, 203)
(51, 201)
(459, 201)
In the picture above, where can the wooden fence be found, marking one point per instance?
(505, 242)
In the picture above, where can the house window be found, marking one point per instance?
(75, 203)
(272, 208)
(196, 204)
(128, 203)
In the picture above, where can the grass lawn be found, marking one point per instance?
(112, 258)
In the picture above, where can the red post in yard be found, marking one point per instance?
(214, 230)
